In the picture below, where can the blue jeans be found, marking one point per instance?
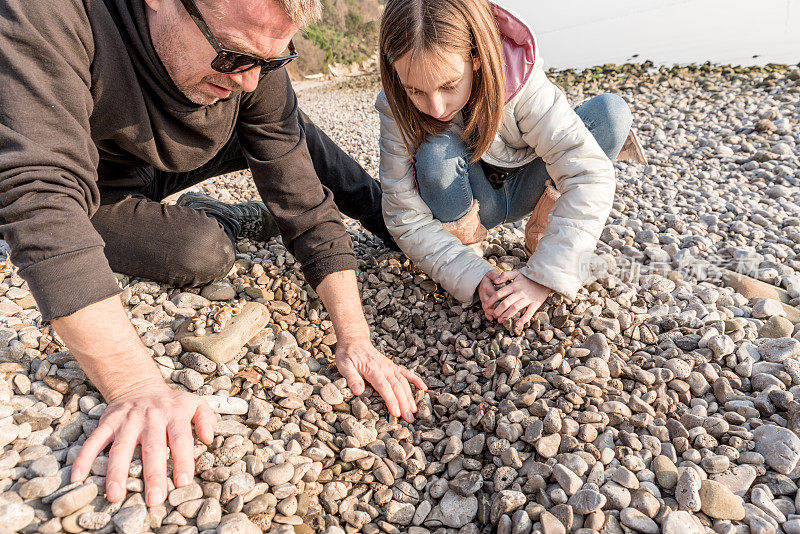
(448, 183)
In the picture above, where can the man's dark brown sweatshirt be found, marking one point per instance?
(81, 87)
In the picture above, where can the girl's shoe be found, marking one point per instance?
(632, 150)
(534, 228)
(468, 229)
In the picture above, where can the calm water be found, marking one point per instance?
(584, 33)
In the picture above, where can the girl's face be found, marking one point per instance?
(439, 84)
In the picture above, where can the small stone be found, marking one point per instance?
(551, 524)
(780, 447)
(680, 522)
(738, 479)
(687, 489)
(93, 520)
(776, 327)
(768, 308)
(185, 493)
(632, 518)
(457, 510)
(719, 502)
(331, 394)
(666, 472)
(504, 502)
(209, 515)
(219, 290)
(399, 513)
(278, 474)
(39, 487)
(587, 500)
(74, 500)
(227, 405)
(547, 446)
(132, 519)
(15, 516)
(567, 479)
(238, 484)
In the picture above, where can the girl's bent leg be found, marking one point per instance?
(441, 164)
(449, 185)
(609, 119)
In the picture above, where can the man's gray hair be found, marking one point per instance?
(302, 12)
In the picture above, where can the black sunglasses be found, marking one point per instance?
(230, 61)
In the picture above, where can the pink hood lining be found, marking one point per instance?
(518, 48)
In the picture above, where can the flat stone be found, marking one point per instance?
(780, 447)
(225, 345)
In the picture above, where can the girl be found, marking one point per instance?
(474, 135)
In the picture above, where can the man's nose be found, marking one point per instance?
(247, 80)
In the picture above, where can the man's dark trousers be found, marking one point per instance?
(184, 247)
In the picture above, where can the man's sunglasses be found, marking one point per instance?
(230, 61)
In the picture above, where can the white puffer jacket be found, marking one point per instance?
(538, 121)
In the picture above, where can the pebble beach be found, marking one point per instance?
(664, 399)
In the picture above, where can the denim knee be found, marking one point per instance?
(441, 164)
(610, 119)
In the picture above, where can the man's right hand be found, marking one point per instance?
(142, 409)
(152, 417)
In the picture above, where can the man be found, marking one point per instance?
(106, 108)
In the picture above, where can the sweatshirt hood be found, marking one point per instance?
(519, 49)
(131, 20)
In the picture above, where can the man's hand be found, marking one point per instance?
(521, 293)
(358, 359)
(142, 409)
(151, 417)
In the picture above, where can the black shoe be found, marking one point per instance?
(251, 220)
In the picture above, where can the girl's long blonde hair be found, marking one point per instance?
(427, 28)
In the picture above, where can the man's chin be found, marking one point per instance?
(201, 97)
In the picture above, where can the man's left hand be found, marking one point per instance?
(358, 359)
(521, 293)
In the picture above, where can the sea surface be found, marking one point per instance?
(585, 33)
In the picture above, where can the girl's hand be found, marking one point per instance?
(521, 293)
